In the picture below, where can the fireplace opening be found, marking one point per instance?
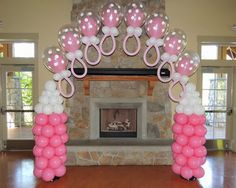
(118, 122)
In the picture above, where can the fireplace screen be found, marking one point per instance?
(118, 122)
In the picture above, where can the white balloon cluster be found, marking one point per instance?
(190, 102)
(134, 31)
(50, 101)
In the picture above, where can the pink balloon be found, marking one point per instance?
(48, 152)
(63, 158)
(54, 162)
(157, 25)
(186, 172)
(37, 130)
(135, 14)
(194, 119)
(41, 141)
(60, 150)
(200, 130)
(177, 128)
(37, 172)
(180, 159)
(89, 23)
(60, 129)
(175, 42)
(59, 172)
(111, 15)
(41, 162)
(181, 118)
(54, 119)
(69, 38)
(194, 162)
(198, 172)
(202, 160)
(47, 130)
(188, 63)
(55, 141)
(37, 151)
(202, 119)
(55, 60)
(64, 117)
(200, 151)
(64, 138)
(176, 168)
(203, 140)
(195, 141)
(176, 148)
(41, 119)
(182, 140)
(48, 174)
(188, 130)
(187, 151)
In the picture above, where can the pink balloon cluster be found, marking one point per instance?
(50, 150)
(55, 59)
(135, 14)
(111, 15)
(175, 42)
(69, 38)
(188, 63)
(89, 23)
(157, 25)
(188, 150)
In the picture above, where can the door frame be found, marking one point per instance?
(219, 144)
(19, 37)
(14, 144)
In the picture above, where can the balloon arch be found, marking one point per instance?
(189, 129)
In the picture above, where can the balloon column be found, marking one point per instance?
(50, 135)
(189, 129)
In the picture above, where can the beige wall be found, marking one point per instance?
(195, 17)
(44, 17)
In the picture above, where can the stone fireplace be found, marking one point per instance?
(147, 99)
(118, 118)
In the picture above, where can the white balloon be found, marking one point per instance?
(38, 108)
(53, 100)
(190, 87)
(179, 108)
(58, 108)
(199, 110)
(176, 76)
(50, 85)
(184, 101)
(56, 93)
(43, 99)
(188, 109)
(60, 100)
(47, 109)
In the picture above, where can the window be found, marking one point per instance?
(209, 52)
(218, 50)
(17, 50)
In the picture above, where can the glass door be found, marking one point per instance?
(217, 100)
(17, 106)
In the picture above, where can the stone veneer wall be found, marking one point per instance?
(158, 105)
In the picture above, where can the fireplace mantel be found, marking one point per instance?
(121, 74)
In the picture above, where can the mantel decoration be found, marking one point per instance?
(189, 130)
